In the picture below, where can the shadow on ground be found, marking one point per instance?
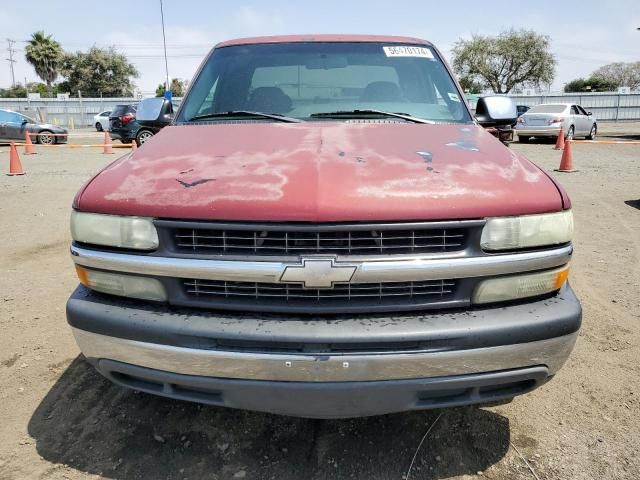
(622, 136)
(633, 203)
(539, 140)
(96, 427)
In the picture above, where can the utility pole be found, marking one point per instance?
(11, 61)
(164, 43)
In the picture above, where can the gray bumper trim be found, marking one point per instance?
(552, 353)
(404, 270)
(329, 399)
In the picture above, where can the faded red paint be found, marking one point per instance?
(321, 172)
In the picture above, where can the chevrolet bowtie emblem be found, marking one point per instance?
(318, 273)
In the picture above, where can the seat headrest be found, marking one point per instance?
(269, 100)
(381, 92)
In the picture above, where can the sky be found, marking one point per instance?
(585, 34)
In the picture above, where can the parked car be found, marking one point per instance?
(522, 109)
(504, 133)
(162, 117)
(325, 231)
(101, 120)
(546, 119)
(13, 126)
(124, 127)
(122, 123)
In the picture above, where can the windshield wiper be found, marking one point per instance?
(246, 113)
(351, 113)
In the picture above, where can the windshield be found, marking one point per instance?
(547, 109)
(301, 80)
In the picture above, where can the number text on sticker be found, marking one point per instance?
(407, 51)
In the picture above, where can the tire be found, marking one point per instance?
(523, 139)
(98, 126)
(593, 132)
(570, 133)
(126, 141)
(44, 138)
(143, 136)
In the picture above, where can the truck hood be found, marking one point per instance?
(321, 172)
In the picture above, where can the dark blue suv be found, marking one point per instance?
(122, 123)
(124, 126)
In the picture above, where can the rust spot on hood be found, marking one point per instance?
(193, 184)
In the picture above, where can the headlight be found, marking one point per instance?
(510, 233)
(114, 231)
(514, 287)
(131, 286)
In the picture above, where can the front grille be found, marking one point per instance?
(370, 241)
(295, 294)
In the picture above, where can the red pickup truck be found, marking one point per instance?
(324, 230)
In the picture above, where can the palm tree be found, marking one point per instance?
(45, 55)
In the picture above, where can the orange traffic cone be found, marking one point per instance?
(15, 167)
(107, 143)
(134, 145)
(560, 141)
(29, 149)
(566, 163)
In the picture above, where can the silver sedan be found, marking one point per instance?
(545, 120)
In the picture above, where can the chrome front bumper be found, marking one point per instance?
(327, 366)
(551, 353)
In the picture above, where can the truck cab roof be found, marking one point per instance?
(323, 38)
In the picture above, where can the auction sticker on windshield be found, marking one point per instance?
(407, 51)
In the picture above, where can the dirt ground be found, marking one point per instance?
(61, 420)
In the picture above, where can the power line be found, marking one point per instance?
(11, 61)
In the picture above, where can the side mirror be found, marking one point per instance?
(24, 121)
(589, 113)
(154, 112)
(494, 111)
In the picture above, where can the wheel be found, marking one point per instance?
(570, 133)
(98, 126)
(592, 133)
(45, 138)
(126, 141)
(143, 136)
(523, 138)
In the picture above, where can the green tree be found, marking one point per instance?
(513, 58)
(42, 89)
(591, 84)
(178, 88)
(45, 55)
(17, 91)
(620, 74)
(471, 86)
(100, 71)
